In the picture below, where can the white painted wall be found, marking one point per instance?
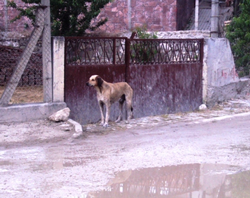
(220, 62)
(58, 69)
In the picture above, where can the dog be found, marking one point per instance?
(108, 93)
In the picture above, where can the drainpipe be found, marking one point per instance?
(5, 16)
(129, 15)
(196, 23)
(215, 19)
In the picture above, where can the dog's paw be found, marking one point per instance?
(105, 125)
(118, 120)
(131, 117)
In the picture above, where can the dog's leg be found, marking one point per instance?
(101, 105)
(129, 107)
(107, 115)
(129, 110)
(121, 102)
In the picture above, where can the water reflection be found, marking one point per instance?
(183, 181)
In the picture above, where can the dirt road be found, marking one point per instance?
(199, 150)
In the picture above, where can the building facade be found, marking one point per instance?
(123, 15)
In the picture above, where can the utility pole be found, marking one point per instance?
(129, 14)
(46, 53)
(215, 19)
(6, 25)
(196, 21)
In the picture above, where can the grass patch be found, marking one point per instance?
(29, 94)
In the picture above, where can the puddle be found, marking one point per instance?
(183, 181)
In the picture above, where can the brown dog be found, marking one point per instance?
(108, 93)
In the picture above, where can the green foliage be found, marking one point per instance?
(68, 17)
(238, 33)
(29, 11)
(143, 52)
(143, 34)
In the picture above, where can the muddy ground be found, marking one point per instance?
(42, 159)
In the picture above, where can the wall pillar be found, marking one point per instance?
(58, 68)
(215, 19)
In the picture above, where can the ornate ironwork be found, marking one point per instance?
(165, 51)
(111, 51)
(93, 51)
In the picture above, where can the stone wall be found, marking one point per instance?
(192, 34)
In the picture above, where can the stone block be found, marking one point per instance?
(61, 115)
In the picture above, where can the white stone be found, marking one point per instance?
(78, 128)
(202, 107)
(61, 115)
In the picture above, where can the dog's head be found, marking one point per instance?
(94, 81)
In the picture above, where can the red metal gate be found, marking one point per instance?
(166, 74)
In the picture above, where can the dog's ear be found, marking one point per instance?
(99, 81)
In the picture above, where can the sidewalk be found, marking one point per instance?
(44, 131)
(224, 110)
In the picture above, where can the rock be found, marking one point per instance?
(61, 115)
(202, 107)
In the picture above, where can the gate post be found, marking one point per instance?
(58, 49)
(202, 51)
(127, 58)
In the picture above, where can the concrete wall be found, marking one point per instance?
(220, 62)
(29, 112)
(221, 81)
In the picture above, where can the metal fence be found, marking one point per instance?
(13, 64)
(92, 51)
(32, 75)
(166, 74)
(112, 51)
(163, 51)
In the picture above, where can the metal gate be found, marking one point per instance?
(165, 74)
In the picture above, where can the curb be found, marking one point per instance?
(29, 112)
(224, 117)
